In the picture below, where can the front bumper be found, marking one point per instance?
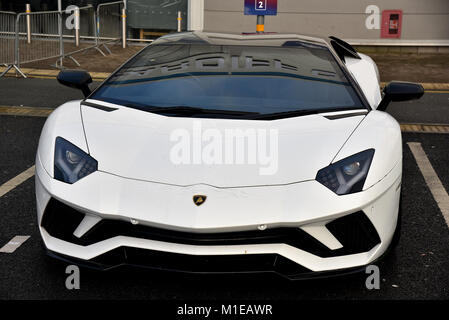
(305, 225)
(235, 264)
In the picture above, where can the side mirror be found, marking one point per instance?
(77, 79)
(400, 91)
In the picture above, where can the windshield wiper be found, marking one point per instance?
(295, 113)
(249, 115)
(188, 111)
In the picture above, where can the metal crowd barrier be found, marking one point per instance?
(34, 36)
(37, 36)
(79, 31)
(110, 21)
(7, 39)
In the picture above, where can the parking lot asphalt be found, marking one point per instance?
(416, 269)
(36, 92)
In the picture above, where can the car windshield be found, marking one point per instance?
(238, 80)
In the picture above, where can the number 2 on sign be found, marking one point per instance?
(261, 5)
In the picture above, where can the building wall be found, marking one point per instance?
(422, 19)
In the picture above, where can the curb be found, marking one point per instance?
(25, 111)
(101, 76)
(51, 74)
(429, 86)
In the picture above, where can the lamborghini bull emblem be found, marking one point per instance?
(199, 199)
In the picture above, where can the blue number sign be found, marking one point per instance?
(261, 7)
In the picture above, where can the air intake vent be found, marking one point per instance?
(354, 231)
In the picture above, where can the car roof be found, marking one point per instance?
(247, 39)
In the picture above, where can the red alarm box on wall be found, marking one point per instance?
(391, 24)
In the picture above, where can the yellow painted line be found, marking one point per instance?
(436, 91)
(425, 128)
(436, 86)
(25, 111)
(429, 87)
(50, 74)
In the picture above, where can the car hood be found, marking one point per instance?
(142, 145)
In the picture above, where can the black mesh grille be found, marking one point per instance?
(355, 232)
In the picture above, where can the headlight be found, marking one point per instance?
(347, 175)
(72, 163)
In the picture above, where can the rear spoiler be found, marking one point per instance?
(343, 49)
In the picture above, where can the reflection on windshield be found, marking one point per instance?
(250, 79)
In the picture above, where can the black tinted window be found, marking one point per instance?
(252, 79)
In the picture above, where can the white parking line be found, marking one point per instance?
(13, 244)
(430, 176)
(17, 180)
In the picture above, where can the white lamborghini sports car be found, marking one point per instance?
(146, 171)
